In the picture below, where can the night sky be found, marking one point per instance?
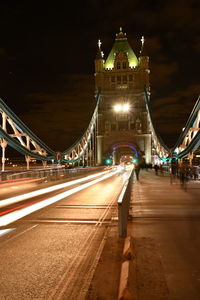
(47, 54)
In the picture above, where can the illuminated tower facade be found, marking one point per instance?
(122, 120)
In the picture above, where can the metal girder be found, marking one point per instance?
(16, 134)
(189, 140)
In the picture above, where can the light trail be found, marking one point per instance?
(5, 231)
(16, 215)
(40, 192)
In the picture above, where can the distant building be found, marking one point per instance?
(122, 121)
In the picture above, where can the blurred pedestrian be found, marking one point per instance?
(156, 167)
(137, 171)
(183, 175)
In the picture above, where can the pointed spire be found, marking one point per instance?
(143, 49)
(99, 43)
(120, 35)
(99, 52)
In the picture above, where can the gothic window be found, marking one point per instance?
(113, 127)
(137, 105)
(107, 126)
(124, 79)
(124, 65)
(112, 79)
(132, 126)
(130, 77)
(118, 79)
(118, 65)
(123, 125)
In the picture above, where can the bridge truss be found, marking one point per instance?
(16, 134)
(188, 141)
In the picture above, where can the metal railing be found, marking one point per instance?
(49, 174)
(123, 205)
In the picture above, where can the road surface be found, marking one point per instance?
(52, 253)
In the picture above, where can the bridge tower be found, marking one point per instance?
(121, 78)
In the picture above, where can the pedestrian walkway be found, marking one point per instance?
(165, 238)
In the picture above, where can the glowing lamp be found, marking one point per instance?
(126, 107)
(108, 161)
(122, 107)
(118, 107)
(134, 160)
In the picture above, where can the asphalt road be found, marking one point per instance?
(52, 253)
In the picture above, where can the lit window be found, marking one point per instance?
(118, 65)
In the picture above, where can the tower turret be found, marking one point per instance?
(99, 61)
(143, 58)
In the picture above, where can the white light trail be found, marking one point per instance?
(5, 231)
(40, 192)
(16, 215)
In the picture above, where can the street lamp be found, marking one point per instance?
(122, 107)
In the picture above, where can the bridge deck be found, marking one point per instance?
(165, 231)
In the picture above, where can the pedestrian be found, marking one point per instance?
(183, 175)
(137, 171)
(156, 167)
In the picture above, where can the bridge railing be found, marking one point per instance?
(123, 205)
(50, 174)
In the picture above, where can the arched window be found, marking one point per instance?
(124, 65)
(118, 65)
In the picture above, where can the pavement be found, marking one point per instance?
(163, 244)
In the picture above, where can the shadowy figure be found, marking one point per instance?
(137, 171)
(183, 175)
(156, 167)
(174, 173)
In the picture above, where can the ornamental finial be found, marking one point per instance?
(99, 43)
(142, 40)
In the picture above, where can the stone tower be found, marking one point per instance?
(122, 119)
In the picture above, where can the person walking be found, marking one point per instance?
(156, 167)
(183, 175)
(137, 171)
